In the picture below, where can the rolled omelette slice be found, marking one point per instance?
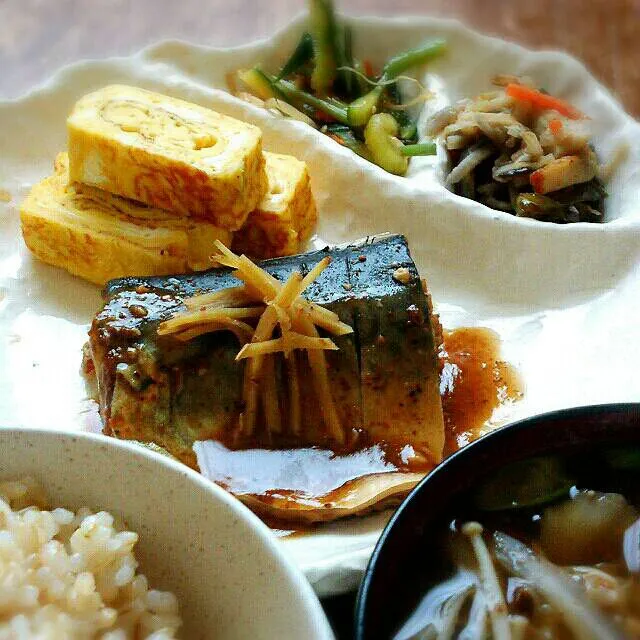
(286, 215)
(158, 389)
(98, 236)
(167, 153)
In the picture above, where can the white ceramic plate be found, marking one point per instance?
(563, 298)
(232, 579)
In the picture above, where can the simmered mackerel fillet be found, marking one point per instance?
(99, 236)
(167, 153)
(384, 376)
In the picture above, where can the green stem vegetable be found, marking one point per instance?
(344, 46)
(362, 86)
(323, 32)
(332, 107)
(421, 149)
(413, 58)
(386, 150)
(408, 128)
(302, 54)
(328, 47)
(344, 135)
(259, 83)
(360, 110)
(380, 137)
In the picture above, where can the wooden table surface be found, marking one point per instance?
(38, 36)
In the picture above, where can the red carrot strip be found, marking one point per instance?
(542, 100)
(368, 68)
(321, 116)
(556, 126)
(537, 181)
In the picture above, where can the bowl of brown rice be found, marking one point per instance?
(105, 539)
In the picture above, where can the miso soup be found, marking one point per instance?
(546, 548)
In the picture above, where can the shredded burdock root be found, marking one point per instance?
(520, 150)
(271, 306)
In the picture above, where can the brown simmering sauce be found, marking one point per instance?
(473, 383)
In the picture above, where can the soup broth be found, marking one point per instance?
(547, 548)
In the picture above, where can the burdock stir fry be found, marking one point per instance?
(324, 85)
(520, 150)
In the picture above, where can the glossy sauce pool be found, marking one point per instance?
(474, 383)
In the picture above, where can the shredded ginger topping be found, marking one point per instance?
(253, 312)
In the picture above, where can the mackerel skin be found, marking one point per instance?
(400, 377)
(159, 390)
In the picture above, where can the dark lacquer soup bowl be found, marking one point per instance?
(532, 529)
